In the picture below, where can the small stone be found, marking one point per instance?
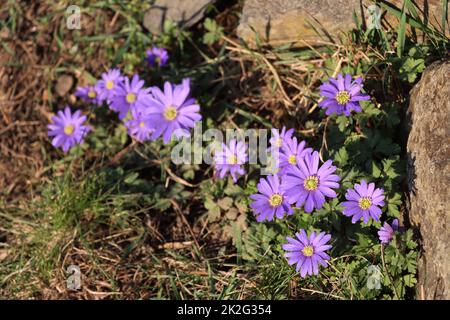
(4, 33)
(3, 254)
(64, 84)
(185, 13)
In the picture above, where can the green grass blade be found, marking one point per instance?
(401, 33)
(433, 33)
(412, 10)
(444, 14)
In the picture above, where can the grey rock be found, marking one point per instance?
(313, 21)
(428, 150)
(185, 13)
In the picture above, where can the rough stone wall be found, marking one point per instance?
(429, 178)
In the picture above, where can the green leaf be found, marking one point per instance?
(389, 168)
(233, 190)
(131, 178)
(214, 33)
(376, 171)
(392, 205)
(409, 280)
(341, 156)
(411, 265)
(213, 209)
(343, 122)
(162, 204)
(225, 203)
(410, 68)
(387, 146)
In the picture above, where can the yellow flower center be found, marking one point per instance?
(311, 183)
(308, 251)
(170, 113)
(292, 159)
(158, 60)
(275, 200)
(131, 97)
(69, 129)
(142, 124)
(232, 159)
(342, 97)
(109, 84)
(92, 94)
(279, 142)
(365, 203)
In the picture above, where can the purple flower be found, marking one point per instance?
(157, 57)
(139, 127)
(172, 111)
(67, 129)
(306, 183)
(270, 200)
(342, 95)
(88, 94)
(386, 232)
(185, 83)
(130, 96)
(278, 138)
(110, 81)
(308, 253)
(290, 152)
(231, 158)
(363, 201)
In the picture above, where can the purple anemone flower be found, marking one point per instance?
(157, 57)
(231, 158)
(107, 85)
(172, 111)
(140, 127)
(308, 252)
(306, 183)
(88, 94)
(278, 139)
(270, 201)
(185, 83)
(342, 95)
(386, 232)
(131, 96)
(290, 152)
(67, 129)
(363, 202)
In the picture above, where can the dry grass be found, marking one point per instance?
(125, 248)
(128, 252)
